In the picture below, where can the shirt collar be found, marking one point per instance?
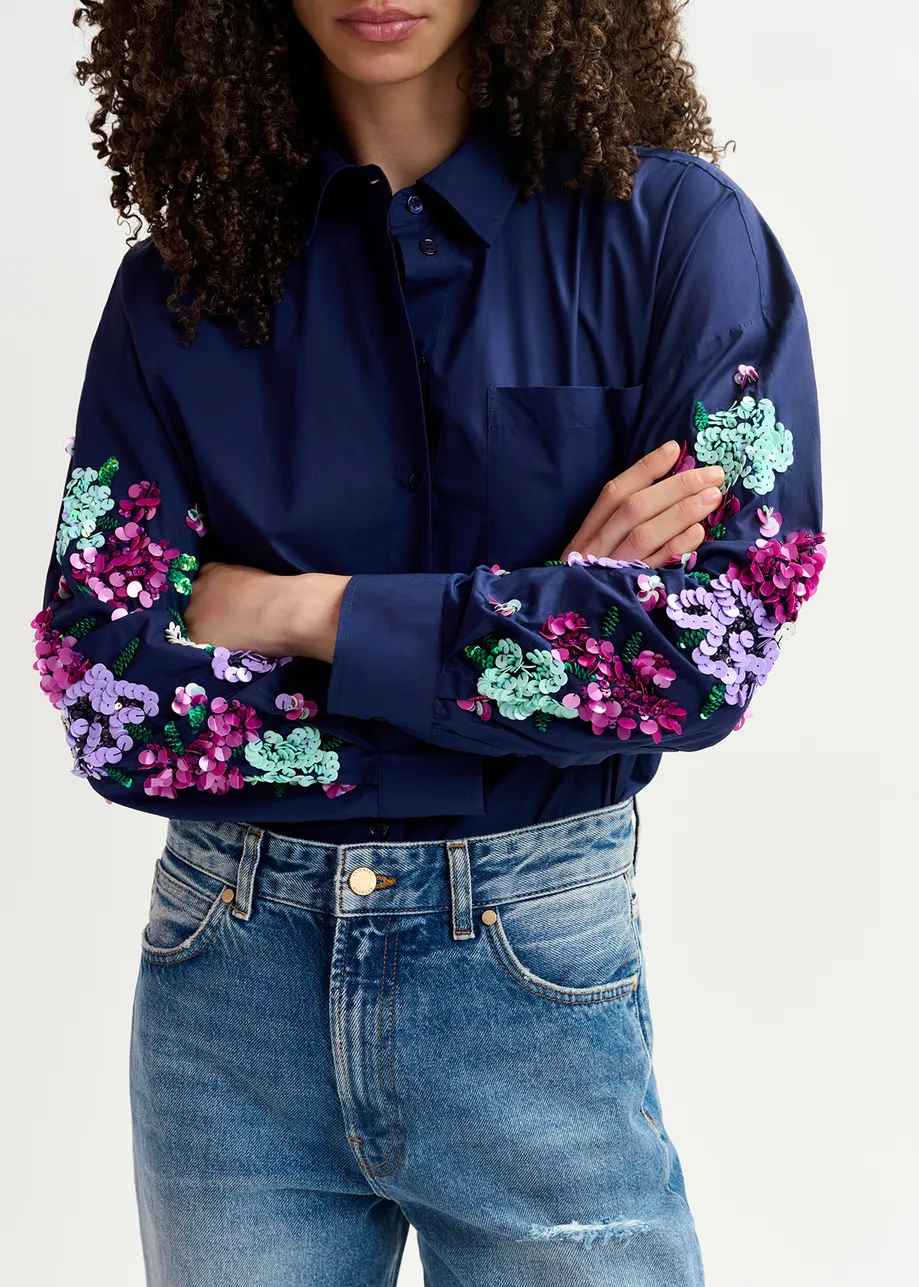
(481, 178)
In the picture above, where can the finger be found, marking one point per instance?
(648, 503)
(630, 537)
(675, 548)
(638, 476)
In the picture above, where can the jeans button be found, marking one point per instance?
(363, 880)
(379, 829)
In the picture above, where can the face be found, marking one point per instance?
(351, 35)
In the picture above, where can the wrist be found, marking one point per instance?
(308, 614)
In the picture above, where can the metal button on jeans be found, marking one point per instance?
(363, 880)
(427, 246)
(415, 204)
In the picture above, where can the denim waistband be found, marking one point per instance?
(404, 877)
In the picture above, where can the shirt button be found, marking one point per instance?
(427, 246)
(415, 204)
(415, 481)
(379, 829)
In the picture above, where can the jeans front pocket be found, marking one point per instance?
(576, 944)
(187, 907)
(551, 448)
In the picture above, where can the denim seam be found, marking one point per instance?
(552, 991)
(378, 1169)
(191, 946)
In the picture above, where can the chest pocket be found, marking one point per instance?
(550, 450)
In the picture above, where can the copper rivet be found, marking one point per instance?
(228, 894)
(489, 916)
(363, 880)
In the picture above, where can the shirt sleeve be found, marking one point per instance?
(600, 657)
(150, 715)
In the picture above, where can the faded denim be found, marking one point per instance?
(312, 1069)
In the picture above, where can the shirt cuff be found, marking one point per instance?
(387, 650)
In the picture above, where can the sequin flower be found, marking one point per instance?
(522, 685)
(206, 762)
(296, 706)
(652, 592)
(630, 700)
(746, 440)
(86, 498)
(101, 712)
(739, 646)
(239, 667)
(481, 706)
(141, 501)
(130, 571)
(297, 759)
(196, 521)
(56, 659)
(187, 697)
(783, 573)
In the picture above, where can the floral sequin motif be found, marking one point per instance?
(746, 440)
(783, 573)
(239, 667)
(736, 644)
(295, 760)
(87, 497)
(130, 570)
(628, 698)
(296, 706)
(207, 761)
(119, 563)
(520, 685)
(101, 713)
(56, 658)
(196, 520)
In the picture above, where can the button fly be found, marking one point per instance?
(363, 880)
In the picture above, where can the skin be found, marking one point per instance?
(399, 107)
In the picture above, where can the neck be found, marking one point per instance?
(406, 128)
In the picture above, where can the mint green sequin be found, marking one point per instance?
(86, 498)
(522, 686)
(297, 759)
(747, 442)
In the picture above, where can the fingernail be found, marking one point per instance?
(711, 495)
(713, 474)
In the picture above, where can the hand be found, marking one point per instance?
(636, 517)
(246, 609)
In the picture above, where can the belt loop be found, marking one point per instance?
(637, 822)
(245, 877)
(460, 889)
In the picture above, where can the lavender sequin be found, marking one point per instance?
(99, 713)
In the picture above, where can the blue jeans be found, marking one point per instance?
(331, 1043)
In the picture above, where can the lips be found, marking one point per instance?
(374, 13)
(368, 22)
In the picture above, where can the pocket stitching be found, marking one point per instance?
(525, 978)
(190, 946)
(182, 891)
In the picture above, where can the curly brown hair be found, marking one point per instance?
(208, 116)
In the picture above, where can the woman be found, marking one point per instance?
(447, 452)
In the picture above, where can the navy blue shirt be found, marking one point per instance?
(454, 373)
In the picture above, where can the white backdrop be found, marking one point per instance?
(778, 897)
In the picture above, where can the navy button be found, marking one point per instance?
(415, 482)
(427, 246)
(415, 204)
(379, 829)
